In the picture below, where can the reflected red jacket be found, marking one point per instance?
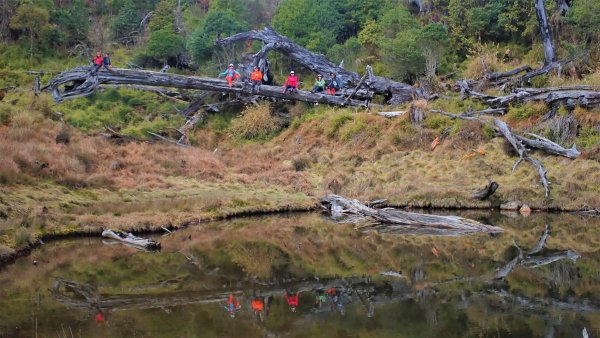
(292, 300)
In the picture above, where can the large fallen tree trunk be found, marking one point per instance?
(395, 92)
(392, 220)
(79, 82)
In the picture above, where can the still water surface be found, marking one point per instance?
(348, 283)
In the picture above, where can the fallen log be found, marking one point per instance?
(131, 239)
(523, 154)
(487, 191)
(548, 146)
(536, 141)
(568, 96)
(395, 92)
(79, 82)
(393, 220)
(499, 75)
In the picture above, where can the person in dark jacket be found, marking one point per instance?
(106, 62)
(291, 83)
(333, 84)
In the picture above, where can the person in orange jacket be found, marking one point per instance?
(256, 79)
(291, 83)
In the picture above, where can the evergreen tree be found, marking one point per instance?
(126, 22)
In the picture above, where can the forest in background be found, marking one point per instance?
(405, 40)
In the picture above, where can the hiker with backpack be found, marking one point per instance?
(230, 75)
(333, 84)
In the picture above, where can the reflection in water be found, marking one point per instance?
(304, 276)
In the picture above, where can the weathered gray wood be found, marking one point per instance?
(548, 146)
(395, 92)
(499, 75)
(340, 208)
(487, 191)
(576, 96)
(545, 32)
(362, 80)
(131, 239)
(85, 84)
(523, 154)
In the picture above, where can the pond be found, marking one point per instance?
(348, 283)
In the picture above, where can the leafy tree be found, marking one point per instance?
(165, 44)
(33, 20)
(216, 24)
(73, 24)
(311, 23)
(433, 40)
(349, 52)
(127, 21)
(584, 21)
(164, 16)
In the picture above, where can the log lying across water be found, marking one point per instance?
(80, 82)
(131, 239)
(396, 221)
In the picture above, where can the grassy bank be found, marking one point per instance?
(62, 177)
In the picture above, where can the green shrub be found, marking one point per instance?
(588, 137)
(22, 237)
(255, 123)
(337, 121)
(526, 111)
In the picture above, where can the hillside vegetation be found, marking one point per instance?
(61, 174)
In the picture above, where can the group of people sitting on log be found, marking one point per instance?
(99, 61)
(291, 83)
(259, 304)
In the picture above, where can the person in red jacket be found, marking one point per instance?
(291, 83)
(98, 61)
(292, 300)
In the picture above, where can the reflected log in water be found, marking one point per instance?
(390, 220)
(534, 259)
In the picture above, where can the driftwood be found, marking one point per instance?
(548, 146)
(79, 82)
(487, 191)
(131, 239)
(568, 96)
(533, 258)
(500, 75)
(396, 221)
(523, 154)
(391, 113)
(395, 92)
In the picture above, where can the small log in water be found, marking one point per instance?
(131, 239)
(396, 221)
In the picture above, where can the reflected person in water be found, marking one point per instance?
(232, 306)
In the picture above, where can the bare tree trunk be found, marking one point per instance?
(545, 32)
